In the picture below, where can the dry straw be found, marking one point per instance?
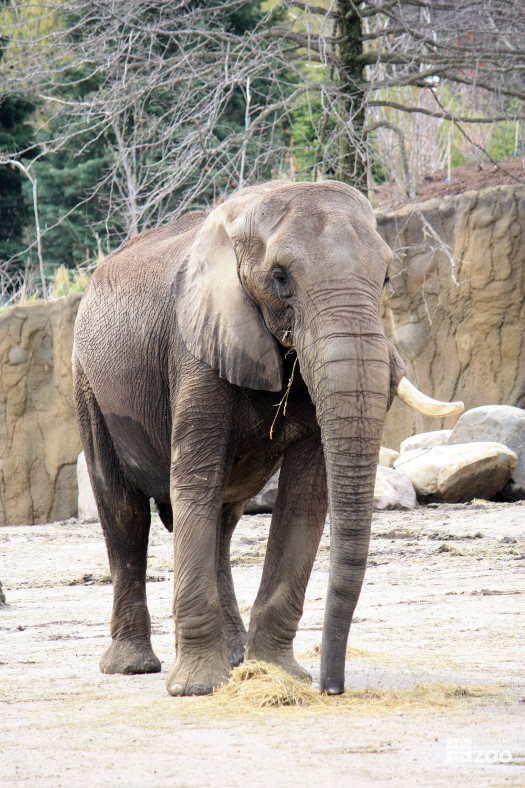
(260, 685)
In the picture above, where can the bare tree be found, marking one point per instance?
(190, 104)
(158, 83)
(459, 61)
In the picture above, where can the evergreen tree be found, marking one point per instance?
(16, 134)
(72, 213)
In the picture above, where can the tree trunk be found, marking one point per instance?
(352, 148)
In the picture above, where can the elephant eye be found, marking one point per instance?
(281, 281)
(278, 275)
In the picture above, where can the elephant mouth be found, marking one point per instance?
(412, 397)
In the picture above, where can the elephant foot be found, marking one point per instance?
(198, 676)
(333, 689)
(285, 661)
(291, 666)
(128, 656)
(295, 669)
(236, 649)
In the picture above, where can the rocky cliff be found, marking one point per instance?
(459, 326)
(39, 441)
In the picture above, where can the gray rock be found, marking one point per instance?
(501, 423)
(425, 440)
(263, 503)
(87, 508)
(387, 457)
(393, 490)
(2, 596)
(458, 473)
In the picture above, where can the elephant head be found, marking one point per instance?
(302, 265)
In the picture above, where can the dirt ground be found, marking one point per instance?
(468, 176)
(442, 602)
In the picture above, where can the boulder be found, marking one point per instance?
(458, 473)
(263, 503)
(425, 440)
(2, 597)
(387, 457)
(393, 490)
(501, 423)
(87, 508)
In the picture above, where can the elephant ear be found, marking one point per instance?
(219, 323)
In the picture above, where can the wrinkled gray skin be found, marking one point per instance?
(181, 355)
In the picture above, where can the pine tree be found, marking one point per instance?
(16, 134)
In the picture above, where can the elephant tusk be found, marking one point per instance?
(411, 396)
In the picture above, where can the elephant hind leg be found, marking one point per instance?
(125, 518)
(235, 630)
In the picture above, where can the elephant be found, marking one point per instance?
(208, 353)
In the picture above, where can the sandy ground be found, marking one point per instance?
(442, 602)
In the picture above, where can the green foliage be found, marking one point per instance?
(16, 133)
(70, 215)
(244, 18)
(502, 141)
(308, 139)
(72, 212)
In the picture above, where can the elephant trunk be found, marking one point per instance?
(348, 377)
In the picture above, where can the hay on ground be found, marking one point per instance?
(351, 653)
(420, 695)
(262, 685)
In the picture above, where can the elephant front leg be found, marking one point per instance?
(297, 524)
(200, 630)
(235, 629)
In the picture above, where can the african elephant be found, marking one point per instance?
(186, 340)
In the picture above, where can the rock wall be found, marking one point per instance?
(466, 340)
(39, 441)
